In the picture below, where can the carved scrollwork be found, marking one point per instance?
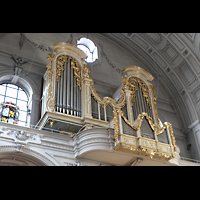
(151, 153)
(49, 70)
(21, 135)
(86, 71)
(157, 130)
(116, 124)
(131, 84)
(154, 102)
(60, 65)
(74, 64)
(138, 121)
(50, 102)
(108, 100)
(149, 119)
(77, 72)
(116, 106)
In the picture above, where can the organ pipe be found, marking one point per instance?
(58, 95)
(140, 100)
(65, 88)
(78, 101)
(68, 86)
(72, 90)
(75, 103)
(139, 104)
(68, 94)
(61, 91)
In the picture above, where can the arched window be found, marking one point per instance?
(89, 48)
(13, 95)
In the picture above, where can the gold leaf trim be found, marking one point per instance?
(108, 100)
(74, 65)
(49, 70)
(157, 130)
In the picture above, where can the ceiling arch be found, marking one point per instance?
(19, 159)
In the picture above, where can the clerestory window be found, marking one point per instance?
(89, 48)
(13, 104)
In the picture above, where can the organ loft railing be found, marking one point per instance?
(70, 101)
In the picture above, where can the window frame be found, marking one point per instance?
(91, 52)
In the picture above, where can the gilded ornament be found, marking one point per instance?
(51, 104)
(126, 120)
(131, 84)
(52, 122)
(77, 72)
(50, 73)
(51, 101)
(116, 126)
(150, 153)
(60, 66)
(61, 60)
(86, 71)
(147, 144)
(108, 100)
(146, 147)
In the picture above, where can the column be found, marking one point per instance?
(129, 105)
(86, 98)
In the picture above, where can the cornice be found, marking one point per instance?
(10, 54)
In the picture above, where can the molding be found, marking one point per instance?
(9, 54)
(194, 124)
(93, 139)
(28, 152)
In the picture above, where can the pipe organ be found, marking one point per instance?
(68, 92)
(140, 102)
(71, 104)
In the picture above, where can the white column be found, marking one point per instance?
(105, 115)
(99, 113)
(86, 97)
(120, 124)
(129, 105)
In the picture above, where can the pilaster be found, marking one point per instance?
(194, 137)
(86, 97)
(129, 105)
(35, 109)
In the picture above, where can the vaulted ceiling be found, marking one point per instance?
(172, 58)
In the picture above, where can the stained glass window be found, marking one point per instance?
(14, 104)
(9, 113)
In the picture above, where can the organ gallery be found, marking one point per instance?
(71, 103)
